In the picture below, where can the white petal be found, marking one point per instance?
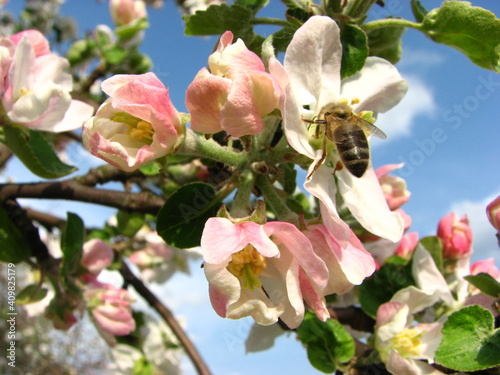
(415, 298)
(379, 86)
(77, 113)
(366, 201)
(427, 275)
(312, 62)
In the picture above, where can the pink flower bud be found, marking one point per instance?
(407, 245)
(97, 255)
(111, 310)
(394, 188)
(493, 213)
(124, 12)
(456, 236)
(486, 266)
(136, 125)
(234, 93)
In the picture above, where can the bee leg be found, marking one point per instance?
(321, 160)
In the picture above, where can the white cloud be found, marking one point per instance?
(413, 58)
(419, 101)
(484, 240)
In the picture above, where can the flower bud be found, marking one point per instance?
(234, 93)
(97, 255)
(485, 266)
(124, 12)
(394, 188)
(493, 213)
(407, 245)
(456, 236)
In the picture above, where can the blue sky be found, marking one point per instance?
(445, 130)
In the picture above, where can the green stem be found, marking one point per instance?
(272, 198)
(208, 148)
(391, 22)
(240, 206)
(270, 21)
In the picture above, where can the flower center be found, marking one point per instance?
(138, 128)
(247, 265)
(407, 343)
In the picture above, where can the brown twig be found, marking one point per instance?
(144, 202)
(169, 318)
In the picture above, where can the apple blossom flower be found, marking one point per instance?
(124, 12)
(394, 188)
(456, 236)
(97, 255)
(234, 93)
(136, 125)
(256, 270)
(312, 64)
(493, 213)
(36, 93)
(404, 347)
(110, 308)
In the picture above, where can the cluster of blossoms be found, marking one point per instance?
(34, 86)
(254, 268)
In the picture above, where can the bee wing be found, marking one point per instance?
(371, 129)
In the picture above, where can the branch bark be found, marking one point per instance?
(169, 318)
(144, 202)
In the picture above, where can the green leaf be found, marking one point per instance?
(128, 31)
(328, 343)
(217, 19)
(485, 283)
(13, 248)
(470, 341)
(255, 5)
(386, 43)
(35, 152)
(181, 220)
(30, 294)
(354, 50)
(418, 10)
(114, 55)
(283, 37)
(72, 243)
(473, 31)
(391, 277)
(435, 247)
(129, 223)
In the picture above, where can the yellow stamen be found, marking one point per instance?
(355, 100)
(247, 265)
(408, 343)
(143, 130)
(343, 101)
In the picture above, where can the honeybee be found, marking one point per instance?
(349, 133)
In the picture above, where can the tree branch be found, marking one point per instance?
(167, 315)
(73, 190)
